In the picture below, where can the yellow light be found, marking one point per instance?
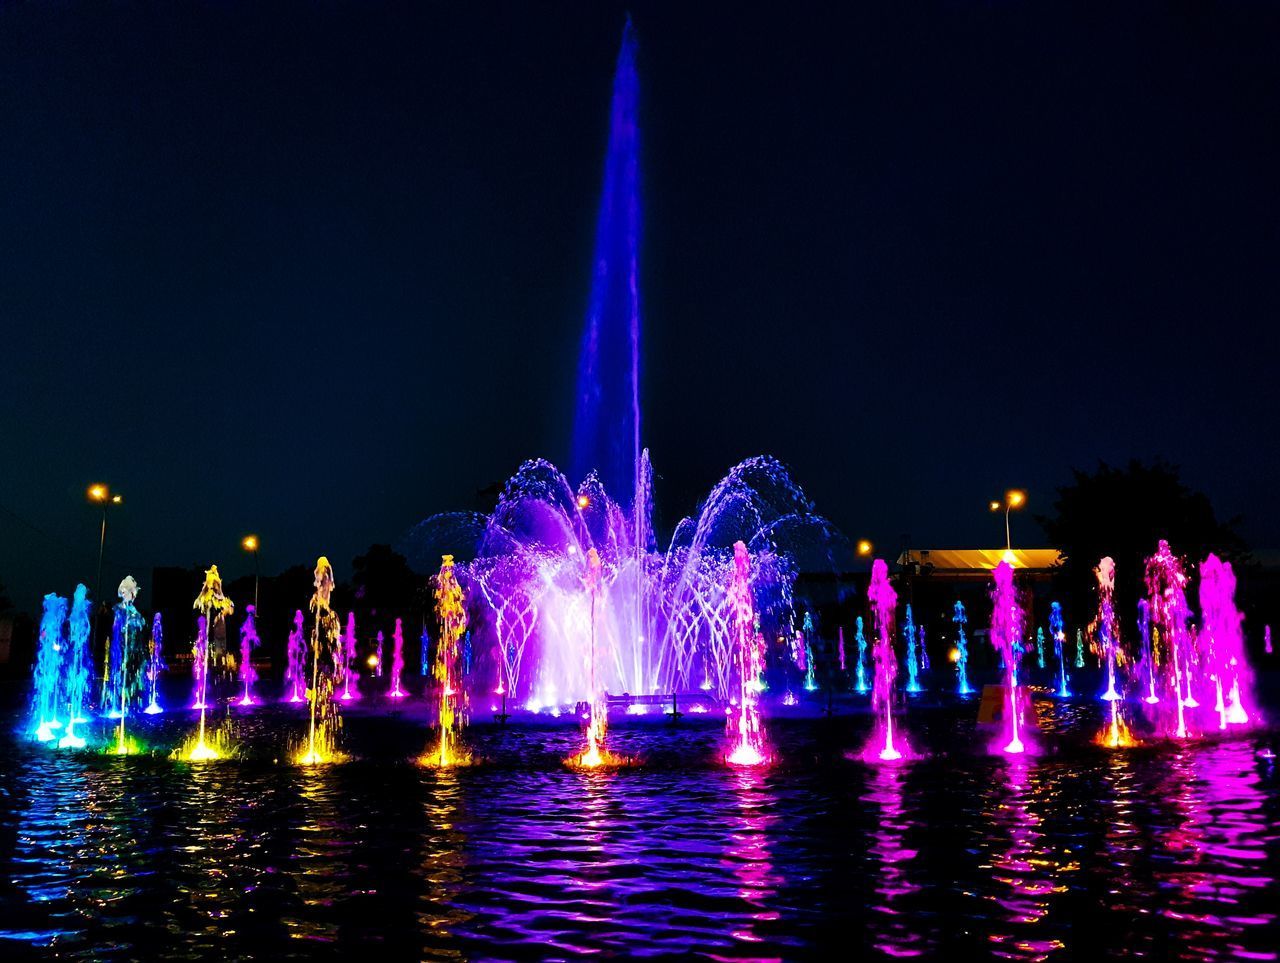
(994, 506)
(373, 661)
(117, 499)
(250, 543)
(583, 501)
(98, 493)
(864, 547)
(1015, 497)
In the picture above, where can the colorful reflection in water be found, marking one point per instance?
(1164, 852)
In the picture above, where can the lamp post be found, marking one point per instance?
(250, 544)
(101, 495)
(1013, 498)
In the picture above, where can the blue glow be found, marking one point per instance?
(46, 701)
(1059, 639)
(962, 651)
(913, 669)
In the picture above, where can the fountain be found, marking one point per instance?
(743, 727)
(1079, 648)
(909, 633)
(47, 675)
(377, 655)
(155, 665)
(807, 631)
(325, 649)
(76, 668)
(248, 642)
(884, 601)
(1006, 629)
(1266, 640)
(397, 660)
(1148, 650)
(962, 650)
(840, 649)
(213, 607)
(1039, 647)
(199, 663)
(126, 625)
(1105, 631)
(295, 670)
(451, 614)
(348, 668)
(923, 649)
(1058, 631)
(860, 638)
(1228, 666)
(1167, 600)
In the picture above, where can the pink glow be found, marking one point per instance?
(1006, 629)
(743, 727)
(884, 601)
(1222, 631)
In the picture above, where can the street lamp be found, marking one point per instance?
(1013, 498)
(250, 544)
(100, 494)
(865, 548)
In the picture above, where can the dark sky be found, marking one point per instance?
(320, 270)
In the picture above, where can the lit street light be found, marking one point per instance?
(1013, 498)
(100, 494)
(250, 544)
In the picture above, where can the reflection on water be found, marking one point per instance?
(1161, 852)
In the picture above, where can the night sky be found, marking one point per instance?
(318, 271)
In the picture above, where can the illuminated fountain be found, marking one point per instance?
(1106, 635)
(155, 665)
(126, 625)
(664, 623)
(375, 660)
(860, 670)
(451, 613)
(1006, 629)
(199, 663)
(1039, 646)
(884, 601)
(1058, 630)
(913, 669)
(347, 668)
(840, 648)
(213, 607)
(597, 710)
(325, 650)
(1079, 648)
(248, 642)
(962, 650)
(1228, 666)
(295, 671)
(743, 727)
(1148, 650)
(1167, 599)
(76, 668)
(47, 676)
(397, 660)
(807, 632)
(1106, 632)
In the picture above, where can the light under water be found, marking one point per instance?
(1169, 852)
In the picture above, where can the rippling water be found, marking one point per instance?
(1167, 852)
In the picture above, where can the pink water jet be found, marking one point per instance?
(1006, 628)
(397, 660)
(295, 673)
(347, 653)
(1167, 597)
(1222, 629)
(248, 642)
(743, 727)
(200, 665)
(884, 601)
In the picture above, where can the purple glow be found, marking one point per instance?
(200, 664)
(248, 642)
(1006, 629)
(884, 601)
(295, 673)
(743, 727)
(1228, 666)
(346, 653)
(397, 660)
(1167, 598)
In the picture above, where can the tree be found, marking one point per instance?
(1124, 512)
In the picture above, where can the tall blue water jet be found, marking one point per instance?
(962, 650)
(810, 680)
(607, 426)
(76, 675)
(47, 676)
(1058, 631)
(126, 625)
(155, 665)
(913, 669)
(860, 637)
